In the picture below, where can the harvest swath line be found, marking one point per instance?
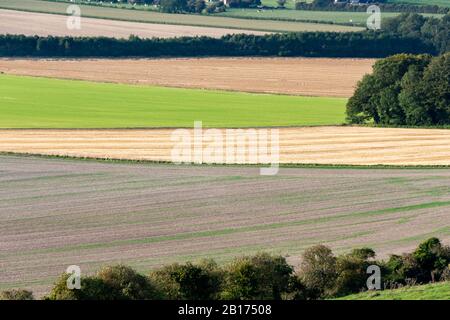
(143, 214)
(323, 145)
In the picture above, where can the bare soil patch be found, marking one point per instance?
(55, 213)
(295, 76)
(318, 145)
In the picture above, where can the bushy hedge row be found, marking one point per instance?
(262, 276)
(404, 90)
(310, 44)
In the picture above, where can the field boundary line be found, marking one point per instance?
(256, 165)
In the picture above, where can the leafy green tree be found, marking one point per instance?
(318, 270)
(388, 106)
(432, 258)
(196, 6)
(126, 284)
(430, 30)
(361, 107)
(377, 97)
(428, 262)
(116, 282)
(411, 25)
(411, 98)
(259, 277)
(16, 294)
(92, 288)
(297, 290)
(363, 253)
(352, 271)
(436, 86)
(189, 281)
(395, 270)
(173, 6)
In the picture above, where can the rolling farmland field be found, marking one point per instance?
(27, 102)
(86, 153)
(88, 11)
(294, 76)
(42, 24)
(308, 145)
(57, 212)
(36, 103)
(337, 17)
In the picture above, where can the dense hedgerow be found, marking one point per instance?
(262, 276)
(315, 44)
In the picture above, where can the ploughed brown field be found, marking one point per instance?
(295, 76)
(42, 24)
(55, 213)
(309, 145)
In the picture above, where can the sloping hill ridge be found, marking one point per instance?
(435, 291)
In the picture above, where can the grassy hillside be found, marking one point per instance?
(27, 102)
(175, 19)
(437, 291)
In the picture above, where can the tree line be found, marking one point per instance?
(433, 31)
(309, 44)
(404, 90)
(321, 275)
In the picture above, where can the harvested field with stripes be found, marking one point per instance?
(55, 213)
(308, 145)
(294, 76)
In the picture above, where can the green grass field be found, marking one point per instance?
(338, 17)
(443, 3)
(437, 291)
(27, 102)
(173, 19)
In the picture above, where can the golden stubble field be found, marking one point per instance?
(295, 76)
(307, 145)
